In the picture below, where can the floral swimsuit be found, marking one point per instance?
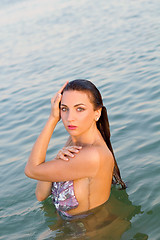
(63, 197)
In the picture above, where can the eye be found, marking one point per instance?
(63, 109)
(80, 109)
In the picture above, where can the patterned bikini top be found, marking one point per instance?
(63, 196)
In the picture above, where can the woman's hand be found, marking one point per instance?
(66, 152)
(55, 101)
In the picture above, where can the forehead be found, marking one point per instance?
(73, 97)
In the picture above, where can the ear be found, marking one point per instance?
(98, 114)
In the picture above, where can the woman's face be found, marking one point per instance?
(77, 112)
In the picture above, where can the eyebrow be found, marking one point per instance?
(76, 105)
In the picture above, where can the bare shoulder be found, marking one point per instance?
(86, 161)
(105, 156)
(89, 155)
(96, 153)
(97, 157)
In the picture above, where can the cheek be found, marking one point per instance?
(63, 117)
(86, 119)
(64, 121)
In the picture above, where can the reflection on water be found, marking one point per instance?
(110, 221)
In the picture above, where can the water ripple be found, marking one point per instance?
(115, 45)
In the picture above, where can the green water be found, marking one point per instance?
(116, 45)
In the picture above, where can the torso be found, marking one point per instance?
(93, 192)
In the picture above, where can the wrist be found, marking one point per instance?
(53, 119)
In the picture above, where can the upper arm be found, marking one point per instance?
(84, 164)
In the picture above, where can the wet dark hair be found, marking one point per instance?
(102, 123)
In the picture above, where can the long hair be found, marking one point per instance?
(103, 123)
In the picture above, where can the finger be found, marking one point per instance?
(56, 99)
(64, 158)
(78, 147)
(64, 153)
(61, 89)
(61, 156)
(74, 148)
(67, 153)
(58, 96)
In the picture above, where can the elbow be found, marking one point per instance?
(27, 171)
(39, 196)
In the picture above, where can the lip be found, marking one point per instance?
(72, 127)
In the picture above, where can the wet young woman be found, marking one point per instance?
(80, 176)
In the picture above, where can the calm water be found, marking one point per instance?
(115, 44)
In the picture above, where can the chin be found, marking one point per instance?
(73, 134)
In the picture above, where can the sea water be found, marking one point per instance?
(116, 45)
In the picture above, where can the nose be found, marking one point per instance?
(71, 116)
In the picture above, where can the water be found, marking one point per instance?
(116, 45)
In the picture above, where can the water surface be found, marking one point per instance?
(116, 45)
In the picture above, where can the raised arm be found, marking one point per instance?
(39, 149)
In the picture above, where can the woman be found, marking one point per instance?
(80, 176)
